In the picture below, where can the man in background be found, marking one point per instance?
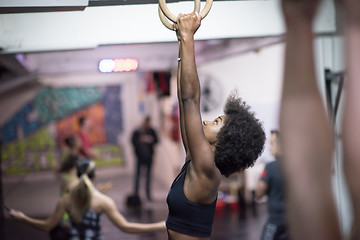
(271, 183)
(144, 139)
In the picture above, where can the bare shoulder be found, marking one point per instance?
(103, 201)
(203, 165)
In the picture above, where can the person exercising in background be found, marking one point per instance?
(85, 205)
(228, 144)
(68, 166)
(271, 183)
(306, 134)
(71, 162)
(86, 147)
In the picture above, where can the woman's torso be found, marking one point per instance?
(188, 219)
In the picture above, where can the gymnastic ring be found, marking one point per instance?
(164, 20)
(163, 16)
(206, 9)
(173, 18)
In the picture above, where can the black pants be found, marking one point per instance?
(273, 231)
(147, 163)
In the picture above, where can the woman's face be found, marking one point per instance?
(211, 128)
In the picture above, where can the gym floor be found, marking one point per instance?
(36, 195)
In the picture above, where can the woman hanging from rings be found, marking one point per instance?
(85, 204)
(228, 144)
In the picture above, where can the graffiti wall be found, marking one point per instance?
(33, 138)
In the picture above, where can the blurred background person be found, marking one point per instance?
(86, 147)
(144, 139)
(68, 166)
(271, 183)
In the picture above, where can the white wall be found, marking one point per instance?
(258, 77)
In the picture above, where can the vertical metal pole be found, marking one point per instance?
(328, 80)
(338, 96)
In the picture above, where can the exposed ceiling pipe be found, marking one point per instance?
(13, 65)
(16, 82)
(26, 6)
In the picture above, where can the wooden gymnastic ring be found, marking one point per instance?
(166, 22)
(172, 17)
(206, 9)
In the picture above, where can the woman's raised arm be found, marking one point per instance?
(307, 138)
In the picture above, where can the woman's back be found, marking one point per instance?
(89, 227)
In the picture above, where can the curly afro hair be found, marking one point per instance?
(241, 140)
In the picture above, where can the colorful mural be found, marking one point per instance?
(22, 123)
(33, 137)
(32, 153)
(69, 125)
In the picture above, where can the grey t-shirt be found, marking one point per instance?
(272, 175)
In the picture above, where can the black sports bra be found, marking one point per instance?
(187, 217)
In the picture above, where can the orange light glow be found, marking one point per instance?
(125, 65)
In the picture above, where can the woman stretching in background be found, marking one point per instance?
(85, 204)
